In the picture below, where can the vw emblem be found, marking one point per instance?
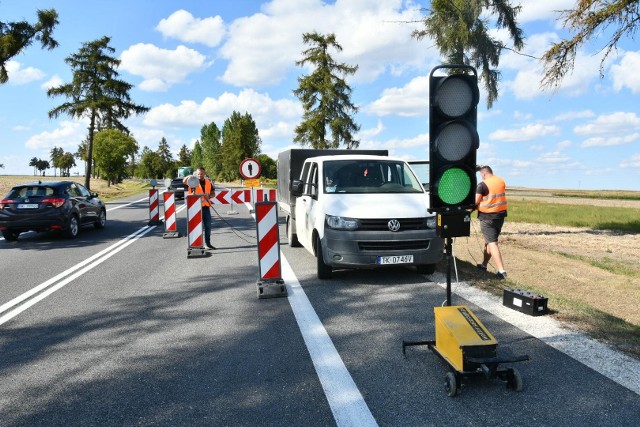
(394, 225)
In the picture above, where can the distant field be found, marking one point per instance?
(106, 192)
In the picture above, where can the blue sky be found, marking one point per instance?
(195, 62)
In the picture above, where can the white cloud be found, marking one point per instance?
(54, 81)
(161, 68)
(525, 133)
(554, 157)
(573, 115)
(625, 74)
(274, 118)
(182, 25)
(22, 76)
(369, 133)
(542, 10)
(69, 135)
(263, 48)
(610, 129)
(410, 100)
(632, 162)
(599, 141)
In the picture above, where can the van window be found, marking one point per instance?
(369, 176)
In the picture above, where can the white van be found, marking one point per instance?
(363, 211)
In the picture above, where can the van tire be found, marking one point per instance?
(291, 236)
(324, 270)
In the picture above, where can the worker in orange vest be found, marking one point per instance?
(207, 189)
(491, 202)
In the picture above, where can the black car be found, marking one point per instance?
(51, 205)
(178, 187)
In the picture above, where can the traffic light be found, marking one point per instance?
(453, 138)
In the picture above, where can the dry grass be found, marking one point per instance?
(106, 192)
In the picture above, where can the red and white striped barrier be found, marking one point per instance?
(154, 207)
(261, 193)
(170, 224)
(270, 284)
(195, 239)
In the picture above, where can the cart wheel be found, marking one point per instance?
(515, 380)
(451, 384)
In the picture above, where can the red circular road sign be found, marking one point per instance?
(250, 168)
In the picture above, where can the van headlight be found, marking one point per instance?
(341, 223)
(431, 222)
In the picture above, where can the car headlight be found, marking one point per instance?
(341, 223)
(431, 222)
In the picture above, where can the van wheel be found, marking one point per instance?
(324, 270)
(291, 236)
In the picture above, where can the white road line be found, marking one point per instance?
(345, 400)
(127, 204)
(88, 264)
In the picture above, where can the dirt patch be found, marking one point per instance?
(598, 268)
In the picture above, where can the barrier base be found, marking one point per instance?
(155, 222)
(196, 252)
(171, 234)
(271, 289)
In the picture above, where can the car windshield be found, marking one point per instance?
(27, 191)
(369, 176)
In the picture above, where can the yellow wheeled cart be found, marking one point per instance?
(468, 348)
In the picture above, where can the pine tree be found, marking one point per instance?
(459, 30)
(325, 97)
(95, 92)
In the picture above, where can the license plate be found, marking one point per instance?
(402, 259)
(28, 206)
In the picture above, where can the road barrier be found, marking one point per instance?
(154, 207)
(195, 239)
(270, 284)
(170, 224)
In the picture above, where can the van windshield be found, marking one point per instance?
(369, 176)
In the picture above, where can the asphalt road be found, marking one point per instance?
(118, 327)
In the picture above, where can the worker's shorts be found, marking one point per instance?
(491, 229)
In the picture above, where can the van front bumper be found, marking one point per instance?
(361, 249)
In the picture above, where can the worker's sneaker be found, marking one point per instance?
(210, 246)
(481, 267)
(501, 275)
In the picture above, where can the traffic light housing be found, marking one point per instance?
(453, 138)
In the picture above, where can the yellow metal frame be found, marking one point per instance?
(457, 327)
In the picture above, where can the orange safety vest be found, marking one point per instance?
(208, 189)
(496, 200)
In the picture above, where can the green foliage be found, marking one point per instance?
(150, 165)
(325, 97)
(196, 156)
(167, 166)
(596, 217)
(184, 156)
(459, 29)
(16, 36)
(210, 145)
(589, 20)
(112, 148)
(240, 139)
(269, 167)
(95, 92)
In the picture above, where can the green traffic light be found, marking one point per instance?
(454, 186)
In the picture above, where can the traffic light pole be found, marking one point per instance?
(449, 253)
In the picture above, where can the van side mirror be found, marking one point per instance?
(297, 187)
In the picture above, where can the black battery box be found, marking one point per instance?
(525, 302)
